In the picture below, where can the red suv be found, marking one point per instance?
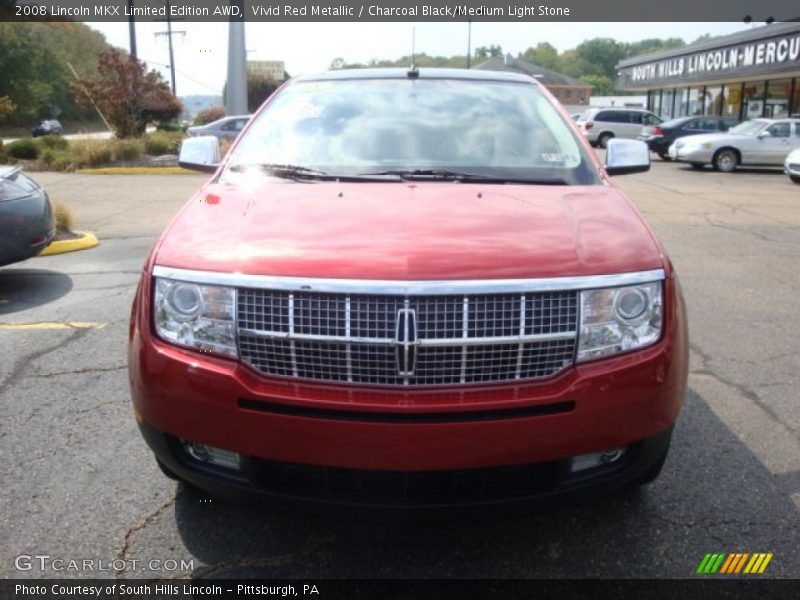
(409, 288)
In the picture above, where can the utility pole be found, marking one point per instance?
(132, 30)
(469, 42)
(169, 33)
(236, 86)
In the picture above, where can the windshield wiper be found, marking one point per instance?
(461, 177)
(287, 171)
(428, 174)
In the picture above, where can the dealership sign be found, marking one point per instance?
(779, 51)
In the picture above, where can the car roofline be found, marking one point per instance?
(421, 73)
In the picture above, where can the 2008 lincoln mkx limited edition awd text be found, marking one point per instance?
(409, 288)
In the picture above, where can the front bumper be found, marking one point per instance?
(691, 154)
(659, 145)
(289, 485)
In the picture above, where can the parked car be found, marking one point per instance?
(409, 288)
(27, 222)
(791, 166)
(600, 125)
(760, 142)
(47, 127)
(660, 137)
(226, 128)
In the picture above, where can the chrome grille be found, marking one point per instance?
(407, 340)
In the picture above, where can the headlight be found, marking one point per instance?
(195, 316)
(615, 320)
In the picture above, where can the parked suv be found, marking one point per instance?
(600, 125)
(409, 289)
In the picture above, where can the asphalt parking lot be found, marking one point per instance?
(79, 483)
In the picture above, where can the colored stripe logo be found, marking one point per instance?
(734, 563)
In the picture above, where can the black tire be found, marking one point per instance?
(795, 178)
(664, 156)
(603, 139)
(726, 160)
(654, 471)
(697, 166)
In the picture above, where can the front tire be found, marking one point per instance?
(664, 156)
(726, 160)
(603, 140)
(697, 166)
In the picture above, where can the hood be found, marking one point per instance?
(409, 231)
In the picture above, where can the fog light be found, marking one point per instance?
(214, 456)
(596, 459)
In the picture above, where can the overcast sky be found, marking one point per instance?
(201, 54)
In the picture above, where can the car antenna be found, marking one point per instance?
(413, 72)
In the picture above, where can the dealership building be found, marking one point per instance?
(746, 75)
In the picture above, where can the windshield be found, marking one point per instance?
(358, 127)
(748, 128)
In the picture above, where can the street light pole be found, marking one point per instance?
(236, 87)
(132, 30)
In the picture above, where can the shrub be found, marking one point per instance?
(204, 117)
(171, 127)
(48, 156)
(127, 149)
(25, 149)
(64, 218)
(53, 142)
(92, 153)
(162, 142)
(63, 162)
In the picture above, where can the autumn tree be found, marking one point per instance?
(6, 106)
(128, 94)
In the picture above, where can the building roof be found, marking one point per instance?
(545, 76)
(740, 37)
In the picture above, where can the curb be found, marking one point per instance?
(136, 171)
(86, 241)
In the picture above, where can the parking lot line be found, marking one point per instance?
(53, 325)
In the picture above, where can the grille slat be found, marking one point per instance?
(407, 341)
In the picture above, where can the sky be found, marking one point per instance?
(201, 53)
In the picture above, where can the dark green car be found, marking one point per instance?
(27, 222)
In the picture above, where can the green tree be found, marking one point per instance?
(488, 51)
(601, 85)
(544, 54)
(259, 87)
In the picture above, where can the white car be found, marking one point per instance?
(600, 125)
(791, 166)
(760, 142)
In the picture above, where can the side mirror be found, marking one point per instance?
(200, 154)
(627, 156)
(763, 134)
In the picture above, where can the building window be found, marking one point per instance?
(654, 102)
(568, 93)
(753, 100)
(732, 107)
(714, 100)
(778, 94)
(694, 101)
(666, 104)
(795, 108)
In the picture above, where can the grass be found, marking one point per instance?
(137, 171)
(58, 154)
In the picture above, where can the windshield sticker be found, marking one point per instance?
(559, 158)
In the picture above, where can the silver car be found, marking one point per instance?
(791, 166)
(226, 128)
(600, 125)
(760, 142)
